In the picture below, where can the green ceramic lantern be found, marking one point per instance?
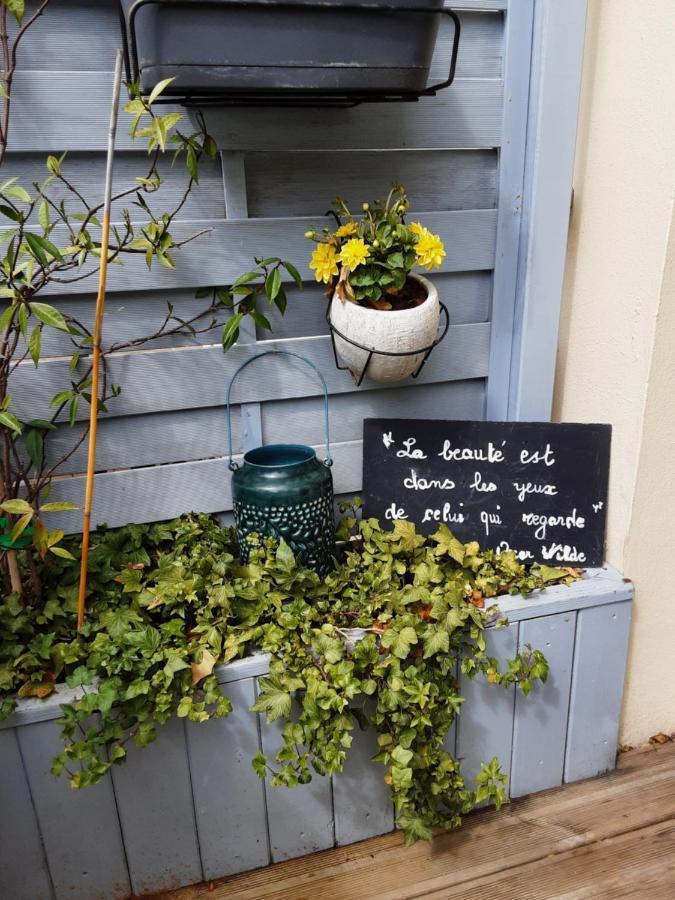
(284, 491)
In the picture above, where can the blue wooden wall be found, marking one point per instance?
(462, 156)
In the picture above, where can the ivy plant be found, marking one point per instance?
(170, 601)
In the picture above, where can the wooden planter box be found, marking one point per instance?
(189, 807)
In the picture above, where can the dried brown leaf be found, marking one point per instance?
(205, 667)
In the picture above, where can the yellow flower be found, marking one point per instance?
(354, 253)
(347, 230)
(418, 229)
(324, 262)
(430, 250)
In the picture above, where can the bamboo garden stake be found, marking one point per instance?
(98, 328)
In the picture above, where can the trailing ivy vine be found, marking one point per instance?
(170, 601)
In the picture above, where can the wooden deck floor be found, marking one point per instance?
(612, 836)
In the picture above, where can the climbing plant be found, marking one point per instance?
(50, 240)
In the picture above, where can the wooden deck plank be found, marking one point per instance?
(624, 819)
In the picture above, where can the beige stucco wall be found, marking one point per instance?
(617, 340)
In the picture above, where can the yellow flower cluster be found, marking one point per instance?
(353, 253)
(429, 247)
(347, 230)
(324, 262)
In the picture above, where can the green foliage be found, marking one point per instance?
(169, 601)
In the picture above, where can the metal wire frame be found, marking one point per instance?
(373, 351)
(285, 96)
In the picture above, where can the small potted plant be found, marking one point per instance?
(377, 306)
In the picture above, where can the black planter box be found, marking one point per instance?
(230, 47)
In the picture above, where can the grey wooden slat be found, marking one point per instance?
(468, 115)
(86, 171)
(486, 5)
(148, 440)
(80, 829)
(154, 799)
(77, 30)
(130, 316)
(234, 184)
(168, 437)
(597, 587)
(597, 689)
(136, 314)
(485, 723)
(163, 492)
(23, 870)
(257, 663)
(33, 710)
(551, 142)
(511, 189)
(540, 723)
(224, 250)
(362, 801)
(302, 420)
(287, 183)
(229, 797)
(51, 112)
(299, 819)
(467, 296)
(158, 381)
(481, 49)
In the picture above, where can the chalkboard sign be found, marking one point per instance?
(537, 488)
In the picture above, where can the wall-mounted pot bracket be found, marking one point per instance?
(373, 351)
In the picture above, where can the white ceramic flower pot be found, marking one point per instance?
(391, 331)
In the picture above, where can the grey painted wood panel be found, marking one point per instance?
(519, 23)
(551, 142)
(485, 723)
(303, 418)
(80, 829)
(149, 440)
(86, 171)
(361, 799)
(596, 587)
(540, 723)
(154, 801)
(136, 314)
(466, 116)
(299, 819)
(51, 113)
(481, 49)
(167, 437)
(166, 385)
(294, 184)
(229, 797)
(597, 689)
(223, 250)
(163, 492)
(23, 870)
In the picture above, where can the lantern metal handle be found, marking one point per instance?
(328, 461)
